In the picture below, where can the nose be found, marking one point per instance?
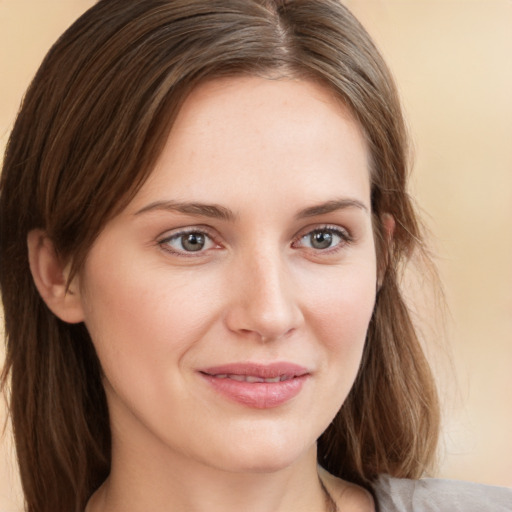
(264, 302)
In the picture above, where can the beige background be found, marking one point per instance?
(453, 63)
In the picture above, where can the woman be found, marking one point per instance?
(203, 218)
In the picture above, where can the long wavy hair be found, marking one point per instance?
(89, 130)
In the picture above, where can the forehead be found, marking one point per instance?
(245, 133)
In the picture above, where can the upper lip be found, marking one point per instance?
(262, 370)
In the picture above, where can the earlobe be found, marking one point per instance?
(51, 278)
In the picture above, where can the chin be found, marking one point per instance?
(259, 464)
(267, 454)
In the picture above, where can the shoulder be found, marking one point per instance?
(438, 495)
(347, 496)
(357, 499)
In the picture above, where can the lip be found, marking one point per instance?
(289, 380)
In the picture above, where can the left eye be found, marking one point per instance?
(326, 238)
(191, 241)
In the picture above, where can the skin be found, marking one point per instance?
(265, 153)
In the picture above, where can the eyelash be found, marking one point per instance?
(164, 243)
(343, 234)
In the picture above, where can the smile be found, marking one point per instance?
(257, 386)
(253, 378)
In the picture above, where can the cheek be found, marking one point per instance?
(343, 306)
(340, 314)
(141, 316)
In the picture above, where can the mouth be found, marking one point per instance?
(252, 378)
(257, 372)
(259, 386)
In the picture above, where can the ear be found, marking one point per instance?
(388, 222)
(51, 278)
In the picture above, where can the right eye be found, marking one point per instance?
(184, 242)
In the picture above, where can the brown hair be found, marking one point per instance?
(89, 130)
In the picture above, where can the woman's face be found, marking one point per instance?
(229, 302)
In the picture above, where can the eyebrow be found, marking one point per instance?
(331, 206)
(216, 211)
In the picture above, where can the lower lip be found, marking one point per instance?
(258, 395)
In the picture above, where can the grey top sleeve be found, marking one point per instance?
(436, 495)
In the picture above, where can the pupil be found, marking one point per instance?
(192, 241)
(321, 240)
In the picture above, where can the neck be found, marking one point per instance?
(165, 484)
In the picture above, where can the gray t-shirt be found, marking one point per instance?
(437, 495)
